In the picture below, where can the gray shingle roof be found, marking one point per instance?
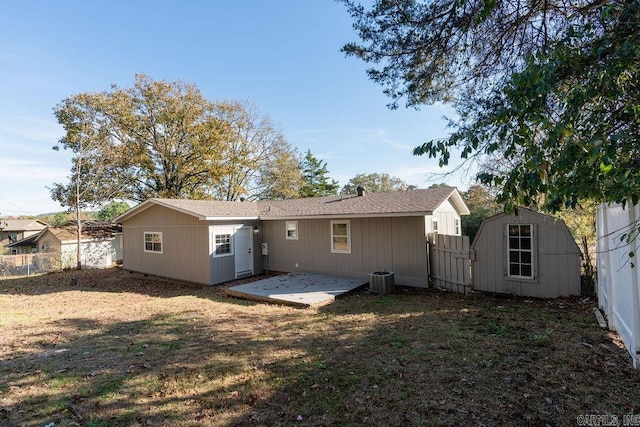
(397, 203)
(211, 208)
(419, 202)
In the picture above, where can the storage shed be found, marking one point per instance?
(531, 254)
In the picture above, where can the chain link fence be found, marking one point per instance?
(28, 264)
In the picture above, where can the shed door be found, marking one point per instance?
(243, 241)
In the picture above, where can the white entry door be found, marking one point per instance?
(243, 242)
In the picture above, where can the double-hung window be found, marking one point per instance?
(340, 237)
(292, 230)
(223, 244)
(520, 251)
(153, 242)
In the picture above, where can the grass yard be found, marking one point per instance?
(118, 349)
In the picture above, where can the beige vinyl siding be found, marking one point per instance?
(445, 214)
(395, 244)
(185, 245)
(556, 258)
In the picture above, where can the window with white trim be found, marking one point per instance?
(456, 226)
(340, 237)
(292, 230)
(520, 251)
(153, 242)
(434, 225)
(223, 244)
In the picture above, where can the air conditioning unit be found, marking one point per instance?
(381, 282)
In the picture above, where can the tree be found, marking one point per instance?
(375, 182)
(438, 50)
(551, 86)
(481, 203)
(281, 178)
(112, 210)
(161, 139)
(316, 183)
(252, 145)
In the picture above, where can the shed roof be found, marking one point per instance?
(90, 230)
(396, 203)
(529, 213)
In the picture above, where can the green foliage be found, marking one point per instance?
(374, 183)
(59, 219)
(569, 120)
(112, 210)
(548, 92)
(438, 50)
(316, 183)
(481, 204)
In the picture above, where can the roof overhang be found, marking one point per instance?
(458, 202)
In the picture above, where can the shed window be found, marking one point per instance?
(292, 230)
(223, 244)
(340, 237)
(434, 225)
(456, 226)
(520, 250)
(153, 242)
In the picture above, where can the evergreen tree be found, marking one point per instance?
(316, 183)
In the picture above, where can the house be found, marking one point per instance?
(618, 272)
(13, 230)
(529, 254)
(101, 243)
(351, 235)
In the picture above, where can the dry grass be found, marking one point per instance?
(122, 349)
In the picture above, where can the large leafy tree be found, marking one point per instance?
(375, 182)
(551, 87)
(158, 139)
(316, 183)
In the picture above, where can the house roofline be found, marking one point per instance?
(349, 216)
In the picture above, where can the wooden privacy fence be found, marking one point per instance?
(450, 262)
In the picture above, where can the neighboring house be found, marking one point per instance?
(619, 273)
(101, 243)
(14, 230)
(531, 254)
(352, 235)
(27, 245)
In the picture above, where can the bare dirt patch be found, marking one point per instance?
(116, 348)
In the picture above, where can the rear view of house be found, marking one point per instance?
(351, 235)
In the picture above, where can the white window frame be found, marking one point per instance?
(144, 242)
(348, 236)
(519, 250)
(434, 225)
(222, 231)
(294, 228)
(456, 226)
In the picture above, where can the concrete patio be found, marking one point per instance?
(297, 289)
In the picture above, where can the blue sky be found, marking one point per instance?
(282, 55)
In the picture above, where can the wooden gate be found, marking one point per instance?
(450, 262)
